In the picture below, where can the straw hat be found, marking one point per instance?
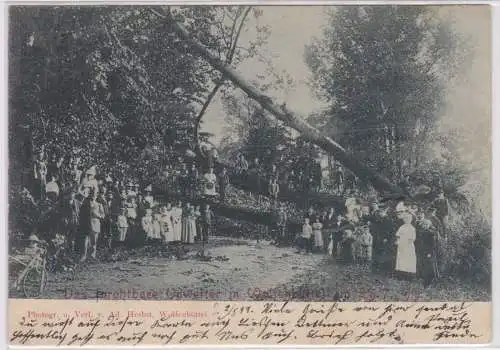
(149, 188)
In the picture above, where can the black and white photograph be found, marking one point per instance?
(250, 153)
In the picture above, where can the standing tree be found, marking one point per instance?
(382, 70)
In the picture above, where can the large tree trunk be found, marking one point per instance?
(308, 132)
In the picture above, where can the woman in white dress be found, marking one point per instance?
(406, 258)
(209, 181)
(167, 229)
(177, 221)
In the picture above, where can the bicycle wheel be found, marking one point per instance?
(34, 282)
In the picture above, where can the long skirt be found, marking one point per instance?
(188, 230)
(406, 259)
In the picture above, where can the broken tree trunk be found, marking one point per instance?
(309, 133)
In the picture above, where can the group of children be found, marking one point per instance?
(337, 237)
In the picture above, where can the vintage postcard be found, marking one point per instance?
(233, 175)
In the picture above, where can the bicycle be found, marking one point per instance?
(33, 277)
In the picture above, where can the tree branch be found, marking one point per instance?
(218, 84)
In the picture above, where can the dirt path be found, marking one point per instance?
(239, 269)
(243, 270)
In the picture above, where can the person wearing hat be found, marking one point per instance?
(406, 259)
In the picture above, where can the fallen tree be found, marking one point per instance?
(309, 133)
(250, 182)
(262, 217)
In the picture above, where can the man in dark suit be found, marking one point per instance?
(329, 222)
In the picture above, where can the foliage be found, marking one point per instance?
(382, 71)
(112, 82)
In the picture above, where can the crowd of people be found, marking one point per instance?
(402, 239)
(97, 210)
(93, 209)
